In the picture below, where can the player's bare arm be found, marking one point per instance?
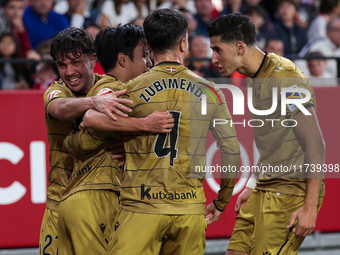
(71, 108)
(156, 122)
(309, 131)
(87, 139)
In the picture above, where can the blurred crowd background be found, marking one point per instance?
(299, 30)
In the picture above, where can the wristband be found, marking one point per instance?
(252, 181)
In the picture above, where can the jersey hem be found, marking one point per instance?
(166, 209)
(91, 187)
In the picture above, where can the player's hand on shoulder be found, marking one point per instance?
(158, 122)
(242, 198)
(110, 103)
(306, 218)
(212, 214)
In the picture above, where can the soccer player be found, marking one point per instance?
(65, 100)
(91, 199)
(162, 201)
(282, 209)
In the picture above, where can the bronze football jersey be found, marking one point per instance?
(94, 167)
(161, 176)
(61, 162)
(281, 154)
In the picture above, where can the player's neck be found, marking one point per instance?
(91, 83)
(169, 57)
(119, 74)
(251, 62)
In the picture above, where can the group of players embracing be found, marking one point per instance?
(122, 145)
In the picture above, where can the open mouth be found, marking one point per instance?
(74, 81)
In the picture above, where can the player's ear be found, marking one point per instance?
(183, 44)
(122, 59)
(240, 48)
(93, 60)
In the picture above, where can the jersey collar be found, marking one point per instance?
(258, 70)
(112, 76)
(169, 63)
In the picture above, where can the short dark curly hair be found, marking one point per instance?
(233, 27)
(73, 41)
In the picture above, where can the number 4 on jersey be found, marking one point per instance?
(162, 151)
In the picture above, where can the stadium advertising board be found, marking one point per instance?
(24, 166)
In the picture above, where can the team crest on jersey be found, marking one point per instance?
(171, 69)
(53, 94)
(293, 95)
(105, 91)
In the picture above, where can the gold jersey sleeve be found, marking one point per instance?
(281, 153)
(61, 162)
(230, 152)
(94, 167)
(160, 168)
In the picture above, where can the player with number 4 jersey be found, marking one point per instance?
(162, 199)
